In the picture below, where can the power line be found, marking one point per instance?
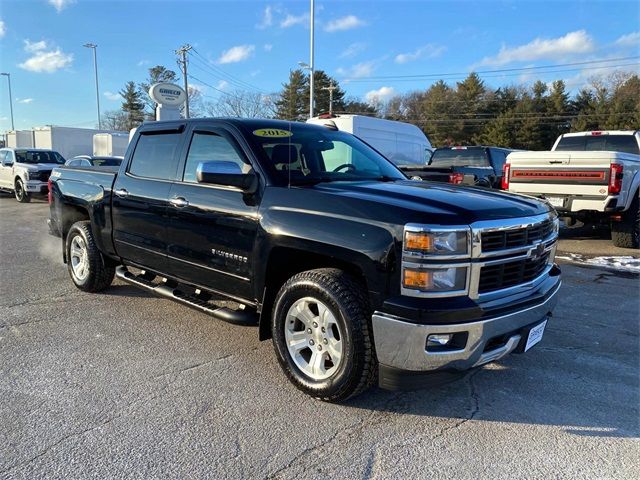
(503, 72)
(217, 71)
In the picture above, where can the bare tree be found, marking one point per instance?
(115, 120)
(242, 104)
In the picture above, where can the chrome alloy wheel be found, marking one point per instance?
(313, 338)
(79, 258)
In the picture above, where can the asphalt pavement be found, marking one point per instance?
(126, 385)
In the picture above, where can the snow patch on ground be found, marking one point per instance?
(624, 262)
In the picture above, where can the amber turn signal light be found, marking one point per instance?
(417, 241)
(420, 279)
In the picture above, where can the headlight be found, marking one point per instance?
(436, 241)
(556, 225)
(446, 279)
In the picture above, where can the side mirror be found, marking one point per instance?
(226, 173)
(7, 162)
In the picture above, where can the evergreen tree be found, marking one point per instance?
(132, 105)
(291, 104)
(321, 97)
(157, 74)
(557, 112)
(469, 98)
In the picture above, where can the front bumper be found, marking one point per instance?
(35, 186)
(402, 351)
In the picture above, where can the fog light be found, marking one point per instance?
(439, 340)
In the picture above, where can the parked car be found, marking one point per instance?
(403, 143)
(587, 176)
(93, 161)
(25, 171)
(478, 165)
(356, 273)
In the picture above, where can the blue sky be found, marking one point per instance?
(259, 42)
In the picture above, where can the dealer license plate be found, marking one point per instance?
(556, 201)
(535, 335)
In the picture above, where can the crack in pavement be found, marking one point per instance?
(121, 412)
(374, 418)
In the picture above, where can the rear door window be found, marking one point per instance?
(155, 156)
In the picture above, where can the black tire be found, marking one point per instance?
(21, 194)
(626, 233)
(347, 300)
(100, 275)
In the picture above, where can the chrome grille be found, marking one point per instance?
(493, 241)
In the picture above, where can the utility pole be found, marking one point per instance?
(330, 89)
(8, 75)
(93, 46)
(311, 60)
(183, 63)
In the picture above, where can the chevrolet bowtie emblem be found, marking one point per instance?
(537, 251)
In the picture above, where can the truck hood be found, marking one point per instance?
(435, 202)
(38, 166)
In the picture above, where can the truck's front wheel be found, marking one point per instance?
(322, 334)
(21, 192)
(85, 263)
(626, 233)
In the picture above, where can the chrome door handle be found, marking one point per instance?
(179, 202)
(122, 193)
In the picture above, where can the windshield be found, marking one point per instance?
(304, 154)
(39, 156)
(613, 143)
(106, 162)
(459, 157)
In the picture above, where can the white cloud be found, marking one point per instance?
(44, 58)
(267, 17)
(267, 47)
(33, 47)
(3, 29)
(381, 95)
(363, 69)
(572, 43)
(142, 63)
(222, 85)
(291, 20)
(428, 51)
(112, 96)
(255, 73)
(60, 5)
(630, 40)
(344, 23)
(236, 54)
(353, 50)
(24, 100)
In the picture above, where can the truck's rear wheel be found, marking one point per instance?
(20, 192)
(626, 233)
(321, 334)
(85, 263)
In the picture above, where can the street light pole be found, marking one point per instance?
(8, 75)
(311, 60)
(93, 46)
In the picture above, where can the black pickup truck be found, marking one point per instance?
(477, 165)
(357, 273)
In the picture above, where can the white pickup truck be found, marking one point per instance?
(587, 176)
(25, 171)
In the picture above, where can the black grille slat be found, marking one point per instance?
(520, 237)
(510, 274)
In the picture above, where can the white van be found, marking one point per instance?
(402, 143)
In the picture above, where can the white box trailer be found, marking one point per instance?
(20, 139)
(110, 144)
(67, 141)
(402, 143)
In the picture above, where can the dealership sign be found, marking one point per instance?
(167, 94)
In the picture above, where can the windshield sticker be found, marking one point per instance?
(272, 133)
